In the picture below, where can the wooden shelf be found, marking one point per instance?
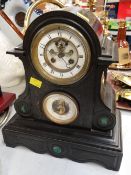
(112, 1)
(114, 32)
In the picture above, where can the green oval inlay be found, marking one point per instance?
(57, 149)
(104, 121)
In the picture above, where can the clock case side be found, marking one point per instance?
(86, 91)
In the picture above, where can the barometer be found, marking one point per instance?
(60, 108)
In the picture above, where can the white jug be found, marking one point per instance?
(11, 68)
(13, 7)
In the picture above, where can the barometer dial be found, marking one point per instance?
(60, 108)
(60, 54)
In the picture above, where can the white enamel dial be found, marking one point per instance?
(60, 108)
(60, 54)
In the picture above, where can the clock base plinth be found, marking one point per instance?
(76, 144)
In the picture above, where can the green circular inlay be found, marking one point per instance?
(104, 121)
(57, 149)
(24, 108)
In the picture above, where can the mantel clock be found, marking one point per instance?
(62, 103)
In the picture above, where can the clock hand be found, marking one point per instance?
(69, 53)
(52, 52)
(65, 63)
(61, 54)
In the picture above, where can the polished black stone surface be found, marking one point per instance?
(76, 144)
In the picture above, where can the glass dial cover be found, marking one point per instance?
(60, 108)
(60, 53)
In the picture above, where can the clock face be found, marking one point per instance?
(60, 54)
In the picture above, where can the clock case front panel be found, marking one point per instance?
(86, 91)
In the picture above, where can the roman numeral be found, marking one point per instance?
(78, 46)
(80, 56)
(78, 66)
(59, 33)
(52, 71)
(70, 37)
(61, 74)
(44, 64)
(49, 36)
(42, 45)
(71, 73)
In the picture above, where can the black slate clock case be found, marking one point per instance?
(84, 139)
(86, 91)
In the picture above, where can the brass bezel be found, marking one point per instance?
(37, 65)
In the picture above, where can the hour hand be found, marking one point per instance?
(69, 53)
(52, 52)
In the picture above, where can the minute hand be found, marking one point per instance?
(65, 63)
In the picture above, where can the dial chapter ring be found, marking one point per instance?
(35, 60)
